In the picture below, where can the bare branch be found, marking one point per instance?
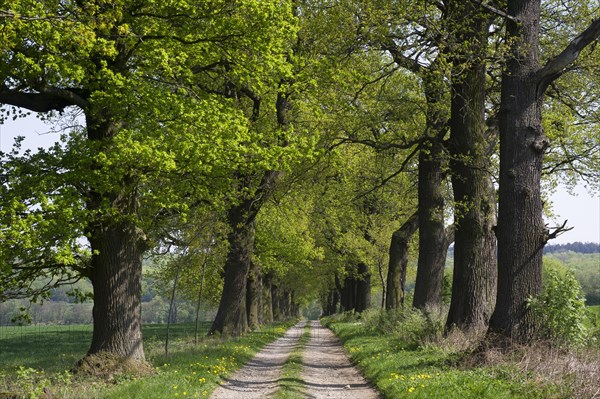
(558, 230)
(390, 177)
(375, 145)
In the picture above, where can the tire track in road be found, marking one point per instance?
(328, 372)
(258, 379)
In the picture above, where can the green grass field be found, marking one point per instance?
(57, 348)
(33, 357)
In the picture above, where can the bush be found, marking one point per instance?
(345, 317)
(411, 326)
(561, 310)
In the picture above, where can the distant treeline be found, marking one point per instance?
(579, 247)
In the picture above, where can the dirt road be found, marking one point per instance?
(326, 370)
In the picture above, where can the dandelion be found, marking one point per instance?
(411, 389)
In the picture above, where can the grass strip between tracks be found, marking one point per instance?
(291, 385)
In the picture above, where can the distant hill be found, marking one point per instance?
(578, 247)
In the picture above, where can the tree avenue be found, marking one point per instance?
(279, 161)
(154, 133)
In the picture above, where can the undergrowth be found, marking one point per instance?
(406, 355)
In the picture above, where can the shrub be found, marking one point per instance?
(561, 310)
(411, 326)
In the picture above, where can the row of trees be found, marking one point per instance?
(578, 247)
(254, 136)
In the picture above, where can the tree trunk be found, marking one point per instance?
(241, 219)
(199, 301)
(295, 309)
(231, 313)
(261, 300)
(253, 294)
(363, 288)
(116, 275)
(285, 304)
(521, 231)
(172, 315)
(276, 301)
(474, 279)
(115, 271)
(333, 298)
(433, 244)
(432, 238)
(326, 303)
(267, 301)
(383, 283)
(396, 278)
(242, 319)
(335, 301)
(348, 294)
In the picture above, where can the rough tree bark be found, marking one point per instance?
(474, 279)
(433, 244)
(363, 288)
(396, 278)
(116, 276)
(348, 294)
(333, 299)
(253, 294)
(267, 300)
(275, 302)
(261, 315)
(521, 232)
(285, 304)
(231, 315)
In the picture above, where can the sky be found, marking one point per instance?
(582, 210)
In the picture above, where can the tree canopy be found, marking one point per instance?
(272, 149)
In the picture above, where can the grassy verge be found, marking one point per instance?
(291, 385)
(401, 368)
(191, 371)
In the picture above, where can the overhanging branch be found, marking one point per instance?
(496, 11)
(555, 67)
(558, 230)
(45, 100)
